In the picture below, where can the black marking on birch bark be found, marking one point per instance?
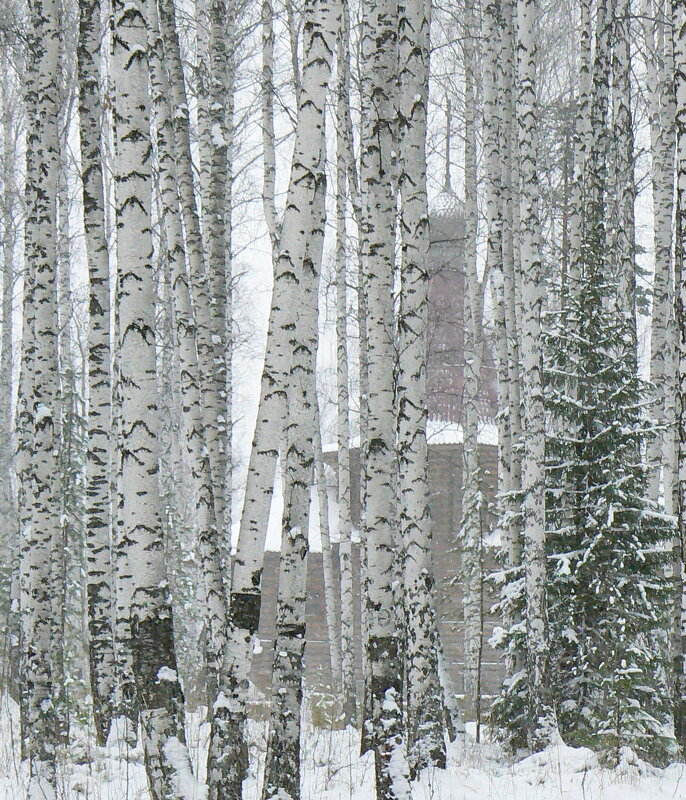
(153, 652)
(245, 611)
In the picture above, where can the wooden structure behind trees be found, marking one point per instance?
(445, 480)
(445, 378)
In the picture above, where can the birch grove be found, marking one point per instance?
(337, 458)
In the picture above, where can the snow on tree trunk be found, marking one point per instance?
(299, 219)
(201, 76)
(144, 579)
(64, 418)
(99, 519)
(541, 722)
(384, 715)
(347, 612)
(361, 316)
(424, 702)
(38, 466)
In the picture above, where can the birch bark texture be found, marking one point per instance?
(542, 721)
(343, 152)
(624, 227)
(144, 593)
(300, 220)
(378, 81)
(282, 778)
(331, 606)
(426, 743)
(99, 517)
(679, 10)
(9, 198)
(38, 467)
(282, 771)
(200, 281)
(195, 417)
(659, 73)
(470, 536)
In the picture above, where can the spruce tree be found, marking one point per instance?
(608, 597)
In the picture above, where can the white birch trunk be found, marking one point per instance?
(268, 147)
(299, 219)
(533, 481)
(470, 536)
(144, 580)
(424, 702)
(38, 466)
(343, 152)
(8, 505)
(201, 75)
(211, 362)
(582, 145)
(624, 228)
(511, 393)
(224, 18)
(384, 716)
(282, 769)
(659, 72)
(679, 20)
(331, 592)
(195, 417)
(99, 518)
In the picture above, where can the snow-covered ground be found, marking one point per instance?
(333, 771)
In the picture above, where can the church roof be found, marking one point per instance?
(446, 217)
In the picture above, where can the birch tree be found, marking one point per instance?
(659, 72)
(378, 75)
(424, 711)
(680, 311)
(223, 57)
(342, 375)
(195, 416)
(143, 581)
(507, 288)
(210, 357)
(9, 120)
(624, 228)
(99, 525)
(542, 720)
(330, 589)
(282, 770)
(470, 537)
(38, 392)
(300, 219)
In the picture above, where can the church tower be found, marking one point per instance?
(445, 357)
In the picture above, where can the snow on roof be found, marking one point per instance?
(439, 432)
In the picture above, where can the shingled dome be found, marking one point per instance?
(446, 217)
